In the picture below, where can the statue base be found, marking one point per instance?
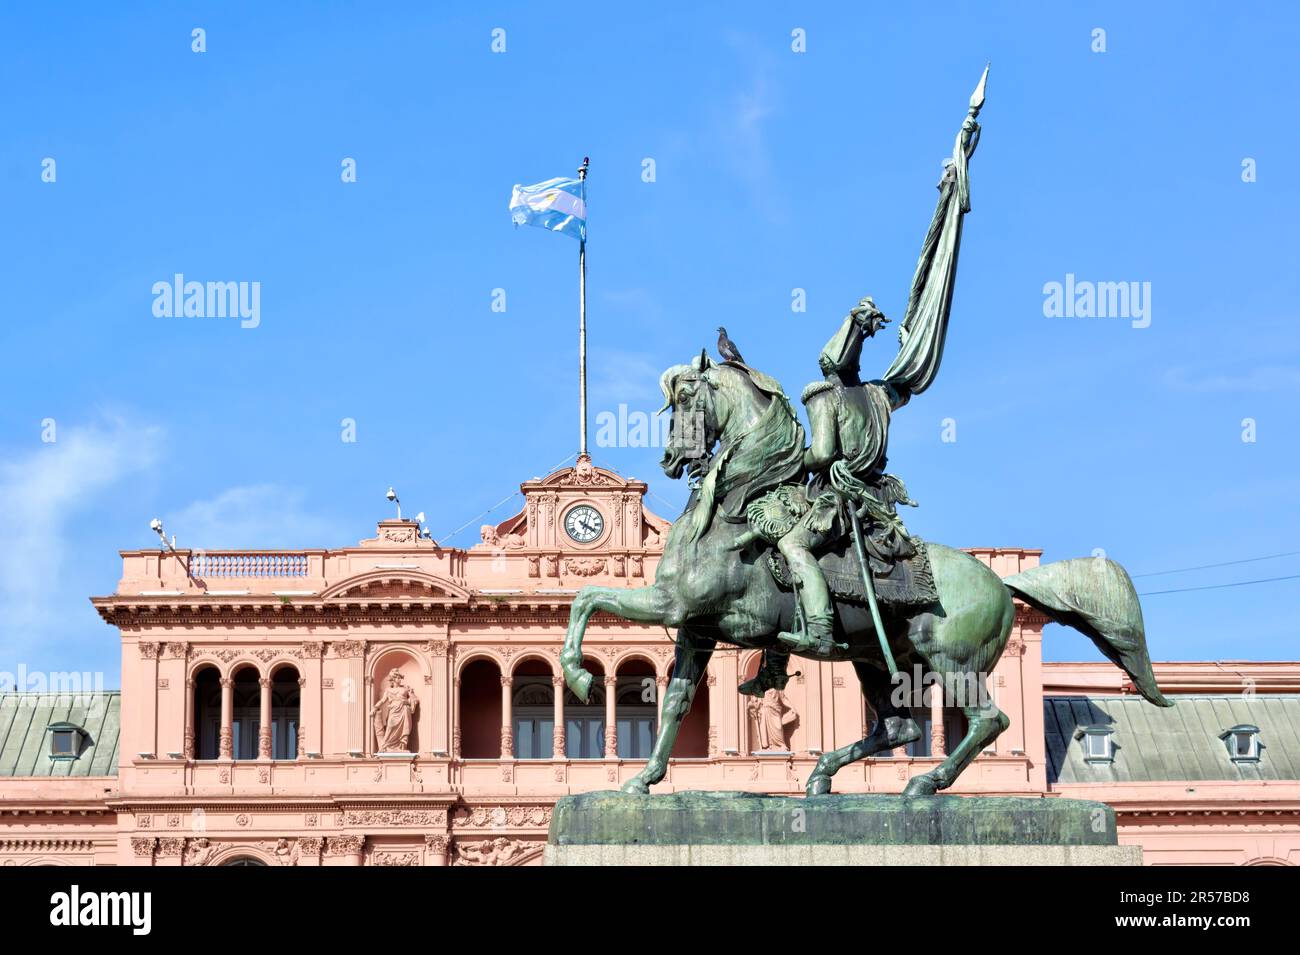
(736, 828)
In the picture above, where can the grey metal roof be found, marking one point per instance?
(25, 746)
(1155, 744)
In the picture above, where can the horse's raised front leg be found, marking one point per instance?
(688, 669)
(644, 605)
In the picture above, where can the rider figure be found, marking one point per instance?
(850, 423)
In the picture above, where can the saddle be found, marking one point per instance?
(906, 584)
(899, 563)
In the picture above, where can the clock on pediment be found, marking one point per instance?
(584, 524)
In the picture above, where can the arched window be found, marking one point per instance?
(245, 713)
(480, 710)
(584, 723)
(533, 710)
(286, 705)
(693, 736)
(244, 860)
(206, 717)
(636, 709)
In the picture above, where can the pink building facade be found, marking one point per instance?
(399, 703)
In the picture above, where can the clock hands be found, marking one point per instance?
(584, 524)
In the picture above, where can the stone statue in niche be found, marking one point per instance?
(773, 718)
(393, 715)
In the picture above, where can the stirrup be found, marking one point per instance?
(803, 643)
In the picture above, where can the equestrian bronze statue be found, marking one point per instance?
(794, 549)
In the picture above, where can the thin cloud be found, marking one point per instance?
(742, 121)
(1265, 378)
(43, 492)
(256, 517)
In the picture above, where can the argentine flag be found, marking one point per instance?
(556, 204)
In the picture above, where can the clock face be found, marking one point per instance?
(584, 523)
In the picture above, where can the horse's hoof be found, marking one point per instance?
(581, 685)
(817, 785)
(920, 786)
(636, 786)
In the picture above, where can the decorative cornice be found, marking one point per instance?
(47, 845)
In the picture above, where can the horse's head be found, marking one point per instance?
(691, 395)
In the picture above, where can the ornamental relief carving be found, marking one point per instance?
(481, 817)
(344, 845)
(198, 851)
(349, 649)
(389, 857)
(498, 851)
(395, 817)
(285, 851)
(225, 656)
(583, 566)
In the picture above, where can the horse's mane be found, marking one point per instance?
(765, 455)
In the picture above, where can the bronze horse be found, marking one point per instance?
(712, 591)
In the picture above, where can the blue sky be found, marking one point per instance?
(775, 170)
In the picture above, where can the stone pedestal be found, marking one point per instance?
(732, 828)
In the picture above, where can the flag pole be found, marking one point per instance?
(582, 320)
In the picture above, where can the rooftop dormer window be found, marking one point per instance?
(66, 740)
(1242, 742)
(1098, 743)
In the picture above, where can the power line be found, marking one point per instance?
(446, 537)
(1226, 563)
(1239, 583)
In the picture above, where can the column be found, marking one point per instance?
(611, 716)
(311, 717)
(369, 742)
(441, 706)
(188, 746)
(455, 718)
(302, 731)
(507, 718)
(435, 850)
(264, 719)
(343, 850)
(225, 749)
(725, 663)
(817, 680)
(557, 738)
(938, 745)
(149, 653)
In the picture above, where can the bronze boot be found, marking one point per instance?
(772, 674)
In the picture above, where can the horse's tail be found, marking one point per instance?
(1094, 596)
